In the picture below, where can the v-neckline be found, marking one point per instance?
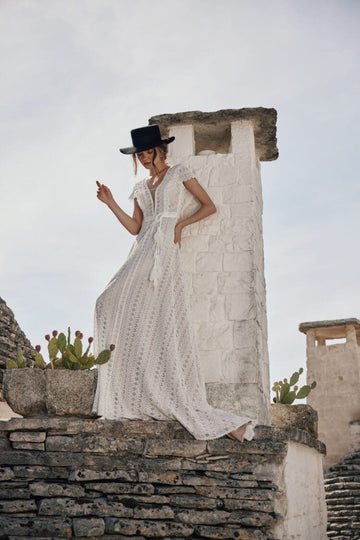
(153, 200)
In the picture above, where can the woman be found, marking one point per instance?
(154, 370)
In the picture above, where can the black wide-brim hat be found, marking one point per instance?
(145, 138)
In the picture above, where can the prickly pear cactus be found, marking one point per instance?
(63, 354)
(284, 392)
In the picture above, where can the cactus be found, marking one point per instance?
(63, 354)
(283, 392)
(18, 363)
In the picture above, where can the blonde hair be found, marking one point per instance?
(163, 149)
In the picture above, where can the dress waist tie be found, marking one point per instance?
(159, 239)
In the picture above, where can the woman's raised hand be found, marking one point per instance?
(103, 193)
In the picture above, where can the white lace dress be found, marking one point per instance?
(154, 370)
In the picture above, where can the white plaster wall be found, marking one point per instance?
(224, 264)
(304, 495)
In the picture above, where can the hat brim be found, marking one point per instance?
(135, 150)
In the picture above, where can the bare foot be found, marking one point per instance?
(238, 434)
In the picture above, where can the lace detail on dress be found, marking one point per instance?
(154, 369)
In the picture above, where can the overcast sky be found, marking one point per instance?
(76, 76)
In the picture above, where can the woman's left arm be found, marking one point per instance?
(206, 209)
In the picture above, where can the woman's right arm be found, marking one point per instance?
(132, 224)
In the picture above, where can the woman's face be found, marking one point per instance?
(146, 158)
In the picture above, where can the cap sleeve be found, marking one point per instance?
(183, 173)
(134, 192)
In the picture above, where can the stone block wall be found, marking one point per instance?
(71, 478)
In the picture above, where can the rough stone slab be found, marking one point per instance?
(167, 490)
(251, 519)
(70, 507)
(4, 443)
(211, 517)
(233, 493)
(6, 473)
(89, 526)
(12, 492)
(133, 500)
(160, 477)
(165, 512)
(299, 416)
(82, 475)
(246, 504)
(42, 489)
(113, 428)
(121, 487)
(16, 506)
(193, 501)
(28, 446)
(36, 527)
(28, 436)
(223, 446)
(89, 443)
(35, 472)
(176, 448)
(147, 528)
(227, 532)
(281, 433)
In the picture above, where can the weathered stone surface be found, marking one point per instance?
(89, 526)
(298, 416)
(89, 443)
(35, 472)
(42, 489)
(165, 512)
(205, 531)
(148, 528)
(13, 492)
(28, 436)
(131, 429)
(28, 446)
(12, 338)
(212, 130)
(17, 506)
(193, 501)
(36, 527)
(6, 473)
(24, 391)
(176, 448)
(4, 443)
(78, 387)
(121, 487)
(70, 507)
(34, 392)
(89, 474)
(203, 516)
(160, 477)
(221, 490)
(342, 488)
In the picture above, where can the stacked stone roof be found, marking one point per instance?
(342, 487)
(12, 338)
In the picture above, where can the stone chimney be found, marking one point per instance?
(223, 255)
(335, 366)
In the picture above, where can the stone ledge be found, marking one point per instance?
(153, 432)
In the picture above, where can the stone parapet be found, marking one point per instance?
(62, 478)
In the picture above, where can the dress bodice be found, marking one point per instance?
(169, 195)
